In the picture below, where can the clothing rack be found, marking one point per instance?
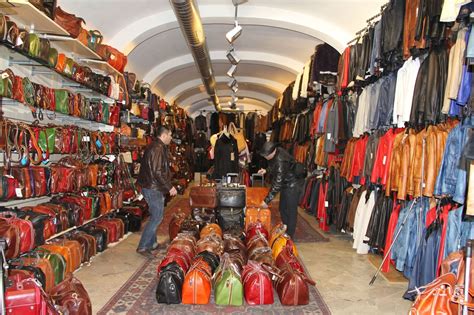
(382, 8)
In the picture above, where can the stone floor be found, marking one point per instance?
(342, 276)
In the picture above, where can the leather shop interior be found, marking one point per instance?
(236, 156)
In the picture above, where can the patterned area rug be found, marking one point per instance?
(305, 233)
(137, 296)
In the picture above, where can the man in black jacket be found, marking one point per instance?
(281, 166)
(155, 180)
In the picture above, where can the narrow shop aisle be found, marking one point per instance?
(341, 275)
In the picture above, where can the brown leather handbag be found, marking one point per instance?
(71, 295)
(203, 197)
(75, 249)
(45, 265)
(22, 174)
(63, 251)
(292, 287)
(175, 224)
(197, 284)
(212, 243)
(93, 170)
(71, 23)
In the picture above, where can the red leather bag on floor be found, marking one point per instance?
(175, 224)
(292, 287)
(11, 233)
(177, 256)
(72, 296)
(255, 228)
(287, 257)
(258, 286)
(24, 296)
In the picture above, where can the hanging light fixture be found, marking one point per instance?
(232, 56)
(234, 33)
(231, 71)
(232, 83)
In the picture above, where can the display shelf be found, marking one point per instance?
(83, 224)
(22, 202)
(128, 117)
(15, 110)
(27, 16)
(16, 57)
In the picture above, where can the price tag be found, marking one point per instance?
(86, 139)
(98, 144)
(5, 75)
(19, 42)
(112, 158)
(140, 197)
(384, 161)
(8, 176)
(423, 185)
(232, 156)
(328, 135)
(18, 192)
(326, 204)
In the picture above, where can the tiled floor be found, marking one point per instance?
(342, 277)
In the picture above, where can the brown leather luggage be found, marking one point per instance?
(203, 197)
(255, 196)
(72, 296)
(175, 224)
(292, 287)
(45, 266)
(255, 215)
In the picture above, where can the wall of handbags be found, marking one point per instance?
(210, 253)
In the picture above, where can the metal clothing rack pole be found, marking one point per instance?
(382, 8)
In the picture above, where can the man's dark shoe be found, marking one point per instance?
(145, 252)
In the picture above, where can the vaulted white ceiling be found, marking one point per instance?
(278, 38)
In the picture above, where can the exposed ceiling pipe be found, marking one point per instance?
(187, 13)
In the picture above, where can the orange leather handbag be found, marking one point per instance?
(255, 196)
(197, 284)
(279, 243)
(211, 228)
(93, 171)
(63, 251)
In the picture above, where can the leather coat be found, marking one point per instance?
(281, 170)
(154, 170)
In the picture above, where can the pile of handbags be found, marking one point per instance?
(38, 97)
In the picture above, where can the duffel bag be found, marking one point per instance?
(229, 218)
(170, 284)
(231, 196)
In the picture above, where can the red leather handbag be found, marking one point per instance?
(254, 229)
(8, 186)
(258, 286)
(56, 213)
(72, 296)
(114, 115)
(292, 287)
(22, 174)
(84, 202)
(61, 179)
(180, 259)
(287, 257)
(25, 296)
(11, 233)
(25, 227)
(39, 176)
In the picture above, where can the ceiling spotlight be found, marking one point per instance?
(234, 33)
(232, 83)
(232, 56)
(234, 99)
(235, 88)
(233, 106)
(231, 71)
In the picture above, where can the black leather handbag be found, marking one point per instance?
(204, 215)
(100, 236)
(230, 218)
(170, 284)
(135, 222)
(211, 259)
(231, 196)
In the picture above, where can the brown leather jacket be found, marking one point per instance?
(154, 169)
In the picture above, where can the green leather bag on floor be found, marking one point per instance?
(62, 101)
(229, 289)
(47, 138)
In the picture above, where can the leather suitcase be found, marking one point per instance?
(25, 227)
(57, 263)
(229, 218)
(36, 272)
(25, 297)
(231, 196)
(203, 197)
(197, 286)
(100, 236)
(135, 221)
(254, 215)
(255, 196)
(63, 251)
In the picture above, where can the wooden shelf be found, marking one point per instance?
(27, 16)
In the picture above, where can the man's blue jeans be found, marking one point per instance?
(155, 201)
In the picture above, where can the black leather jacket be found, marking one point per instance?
(154, 169)
(281, 170)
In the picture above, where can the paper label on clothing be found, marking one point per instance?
(5, 75)
(423, 185)
(139, 197)
(86, 139)
(371, 155)
(18, 192)
(326, 204)
(384, 161)
(328, 135)
(232, 156)
(19, 42)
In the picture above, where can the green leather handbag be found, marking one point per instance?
(28, 92)
(35, 45)
(47, 138)
(57, 262)
(6, 84)
(62, 101)
(229, 289)
(105, 113)
(53, 57)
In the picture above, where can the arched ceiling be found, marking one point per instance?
(278, 38)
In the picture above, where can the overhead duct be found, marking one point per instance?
(187, 13)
